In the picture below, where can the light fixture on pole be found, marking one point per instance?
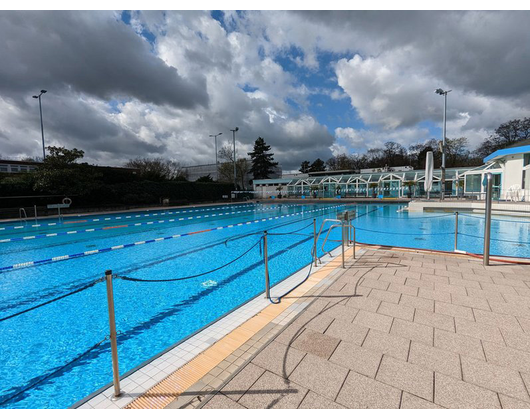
(444, 94)
(216, 156)
(234, 141)
(42, 92)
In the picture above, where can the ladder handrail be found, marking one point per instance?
(340, 223)
(20, 211)
(314, 251)
(327, 235)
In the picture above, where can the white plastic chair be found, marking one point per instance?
(514, 193)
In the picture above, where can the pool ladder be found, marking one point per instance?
(22, 211)
(348, 237)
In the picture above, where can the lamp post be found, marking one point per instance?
(216, 156)
(42, 92)
(234, 141)
(444, 94)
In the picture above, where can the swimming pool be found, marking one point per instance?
(44, 260)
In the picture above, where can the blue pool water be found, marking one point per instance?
(153, 316)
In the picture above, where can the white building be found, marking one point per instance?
(16, 166)
(510, 168)
(511, 173)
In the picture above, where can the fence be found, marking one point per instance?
(306, 233)
(111, 337)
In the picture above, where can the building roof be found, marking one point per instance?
(365, 177)
(19, 162)
(508, 151)
(272, 181)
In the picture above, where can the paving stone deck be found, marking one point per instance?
(399, 330)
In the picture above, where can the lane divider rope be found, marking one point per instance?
(73, 232)
(99, 219)
(181, 235)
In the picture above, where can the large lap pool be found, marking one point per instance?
(42, 261)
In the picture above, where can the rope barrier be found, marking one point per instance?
(193, 276)
(494, 239)
(236, 238)
(88, 286)
(416, 218)
(116, 247)
(292, 232)
(497, 220)
(279, 298)
(407, 234)
(51, 374)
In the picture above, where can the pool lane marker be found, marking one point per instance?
(136, 216)
(149, 241)
(71, 232)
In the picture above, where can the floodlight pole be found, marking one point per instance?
(444, 94)
(443, 147)
(216, 156)
(42, 92)
(234, 142)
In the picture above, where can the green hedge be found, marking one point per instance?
(149, 192)
(124, 193)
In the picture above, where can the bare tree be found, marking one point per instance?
(226, 169)
(158, 169)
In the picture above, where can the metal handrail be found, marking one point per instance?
(327, 235)
(20, 211)
(345, 236)
(318, 236)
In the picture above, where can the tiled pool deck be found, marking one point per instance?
(399, 330)
(396, 329)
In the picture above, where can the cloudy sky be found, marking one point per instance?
(313, 84)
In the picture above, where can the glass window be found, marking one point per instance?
(526, 179)
(473, 182)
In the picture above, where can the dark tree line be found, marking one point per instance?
(457, 153)
(505, 135)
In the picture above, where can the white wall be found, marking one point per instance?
(513, 171)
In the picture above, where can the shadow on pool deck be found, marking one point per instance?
(398, 330)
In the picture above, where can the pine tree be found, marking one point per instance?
(317, 166)
(304, 167)
(262, 162)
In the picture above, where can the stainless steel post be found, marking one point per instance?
(42, 128)
(353, 242)
(35, 209)
(487, 222)
(113, 338)
(456, 230)
(343, 238)
(315, 239)
(266, 262)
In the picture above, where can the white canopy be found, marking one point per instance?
(429, 169)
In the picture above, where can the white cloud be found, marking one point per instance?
(387, 63)
(362, 140)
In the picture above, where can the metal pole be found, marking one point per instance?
(234, 140)
(35, 209)
(42, 128)
(315, 239)
(216, 160)
(487, 224)
(456, 230)
(343, 238)
(442, 192)
(353, 228)
(266, 262)
(113, 340)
